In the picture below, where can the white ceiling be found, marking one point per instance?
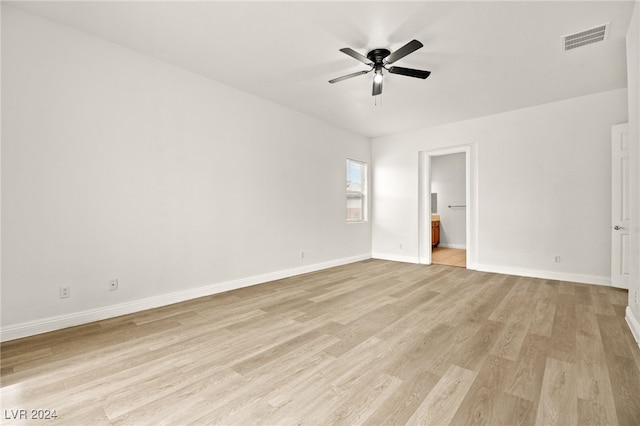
(485, 57)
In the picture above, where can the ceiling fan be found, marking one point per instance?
(378, 59)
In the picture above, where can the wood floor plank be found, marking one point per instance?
(631, 341)
(398, 408)
(511, 410)
(542, 317)
(367, 394)
(503, 310)
(612, 336)
(583, 295)
(593, 413)
(509, 342)
(563, 336)
(441, 404)
(558, 403)
(441, 362)
(487, 299)
(297, 381)
(373, 342)
(625, 385)
(526, 378)
(480, 405)
(420, 351)
(473, 353)
(595, 396)
(601, 301)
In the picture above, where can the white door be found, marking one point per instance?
(619, 206)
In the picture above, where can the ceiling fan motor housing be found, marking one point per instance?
(377, 55)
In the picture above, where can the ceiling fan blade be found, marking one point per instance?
(344, 77)
(356, 55)
(412, 46)
(377, 88)
(410, 72)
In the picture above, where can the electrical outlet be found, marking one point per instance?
(556, 258)
(113, 285)
(301, 254)
(635, 297)
(400, 246)
(65, 292)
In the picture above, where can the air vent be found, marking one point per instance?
(592, 35)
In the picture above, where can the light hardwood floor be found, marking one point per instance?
(449, 256)
(374, 342)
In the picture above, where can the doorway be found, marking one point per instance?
(448, 209)
(446, 204)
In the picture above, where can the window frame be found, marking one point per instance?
(363, 193)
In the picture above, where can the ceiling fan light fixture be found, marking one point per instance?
(378, 59)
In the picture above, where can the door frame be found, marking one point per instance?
(619, 206)
(424, 201)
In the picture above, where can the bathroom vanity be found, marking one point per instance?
(435, 230)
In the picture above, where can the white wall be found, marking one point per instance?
(543, 187)
(633, 76)
(116, 165)
(448, 180)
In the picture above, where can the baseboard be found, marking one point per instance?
(633, 323)
(395, 258)
(453, 246)
(549, 275)
(44, 325)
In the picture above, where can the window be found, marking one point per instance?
(356, 191)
